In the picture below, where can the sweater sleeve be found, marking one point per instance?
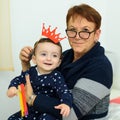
(90, 96)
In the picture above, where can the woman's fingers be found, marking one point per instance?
(27, 77)
(25, 53)
(28, 87)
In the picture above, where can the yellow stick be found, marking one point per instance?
(21, 101)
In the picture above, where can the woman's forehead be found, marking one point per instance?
(80, 22)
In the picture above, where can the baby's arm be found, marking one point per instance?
(14, 83)
(64, 109)
(12, 91)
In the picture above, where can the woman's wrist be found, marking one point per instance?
(31, 99)
(25, 65)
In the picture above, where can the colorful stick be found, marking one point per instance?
(23, 105)
(21, 101)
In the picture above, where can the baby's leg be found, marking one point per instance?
(46, 116)
(16, 116)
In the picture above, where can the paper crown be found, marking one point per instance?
(51, 34)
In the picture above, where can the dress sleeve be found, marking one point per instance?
(18, 80)
(64, 93)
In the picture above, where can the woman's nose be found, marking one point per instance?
(77, 36)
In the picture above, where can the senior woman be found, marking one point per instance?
(87, 71)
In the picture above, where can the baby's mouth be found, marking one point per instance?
(48, 63)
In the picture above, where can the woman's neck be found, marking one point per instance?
(77, 56)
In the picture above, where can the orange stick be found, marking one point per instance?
(24, 100)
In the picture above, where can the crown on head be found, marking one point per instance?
(51, 34)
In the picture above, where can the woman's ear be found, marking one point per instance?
(97, 35)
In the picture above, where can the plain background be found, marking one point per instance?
(27, 17)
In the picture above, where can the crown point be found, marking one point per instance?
(51, 34)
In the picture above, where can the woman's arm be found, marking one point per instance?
(91, 97)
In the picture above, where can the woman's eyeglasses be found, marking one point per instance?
(82, 34)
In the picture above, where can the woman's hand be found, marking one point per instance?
(25, 57)
(30, 97)
(64, 109)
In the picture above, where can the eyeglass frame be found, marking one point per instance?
(79, 33)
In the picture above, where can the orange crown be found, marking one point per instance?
(51, 34)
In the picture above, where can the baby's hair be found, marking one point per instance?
(42, 40)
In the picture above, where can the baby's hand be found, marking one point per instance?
(64, 109)
(12, 91)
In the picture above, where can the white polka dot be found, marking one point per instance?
(38, 88)
(48, 83)
(34, 118)
(55, 73)
(36, 112)
(54, 80)
(45, 77)
(51, 90)
(45, 91)
(44, 114)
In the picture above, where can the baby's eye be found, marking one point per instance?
(55, 55)
(43, 54)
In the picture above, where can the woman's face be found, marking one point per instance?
(78, 44)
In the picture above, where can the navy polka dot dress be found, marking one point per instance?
(51, 85)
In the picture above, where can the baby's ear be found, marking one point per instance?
(34, 59)
(59, 62)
